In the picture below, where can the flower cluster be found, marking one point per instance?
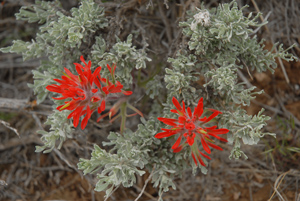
(88, 91)
(191, 127)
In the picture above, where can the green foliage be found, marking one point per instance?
(224, 81)
(219, 44)
(118, 169)
(245, 127)
(182, 75)
(27, 49)
(60, 33)
(41, 80)
(60, 38)
(133, 151)
(124, 54)
(154, 87)
(40, 12)
(216, 43)
(226, 39)
(60, 129)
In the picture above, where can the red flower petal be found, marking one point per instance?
(174, 111)
(89, 64)
(83, 93)
(194, 159)
(181, 119)
(200, 160)
(176, 103)
(219, 138)
(76, 116)
(219, 131)
(59, 81)
(115, 89)
(216, 112)
(95, 74)
(184, 124)
(183, 107)
(127, 93)
(202, 119)
(76, 111)
(70, 74)
(76, 120)
(199, 109)
(164, 134)
(82, 59)
(115, 66)
(191, 139)
(205, 146)
(97, 83)
(102, 107)
(211, 128)
(78, 68)
(214, 146)
(178, 149)
(189, 112)
(54, 88)
(204, 155)
(86, 118)
(168, 121)
(109, 68)
(176, 144)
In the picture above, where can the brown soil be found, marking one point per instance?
(27, 175)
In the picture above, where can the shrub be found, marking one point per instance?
(215, 44)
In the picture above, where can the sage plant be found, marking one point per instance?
(215, 43)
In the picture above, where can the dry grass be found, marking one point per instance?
(270, 173)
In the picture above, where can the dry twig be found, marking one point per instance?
(6, 124)
(165, 21)
(277, 184)
(268, 31)
(15, 104)
(144, 187)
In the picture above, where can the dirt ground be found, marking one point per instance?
(272, 171)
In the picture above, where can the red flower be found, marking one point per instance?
(87, 91)
(191, 129)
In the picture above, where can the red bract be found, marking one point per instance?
(87, 91)
(191, 130)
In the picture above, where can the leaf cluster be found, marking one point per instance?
(216, 43)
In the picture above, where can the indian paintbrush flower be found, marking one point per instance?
(87, 92)
(191, 130)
